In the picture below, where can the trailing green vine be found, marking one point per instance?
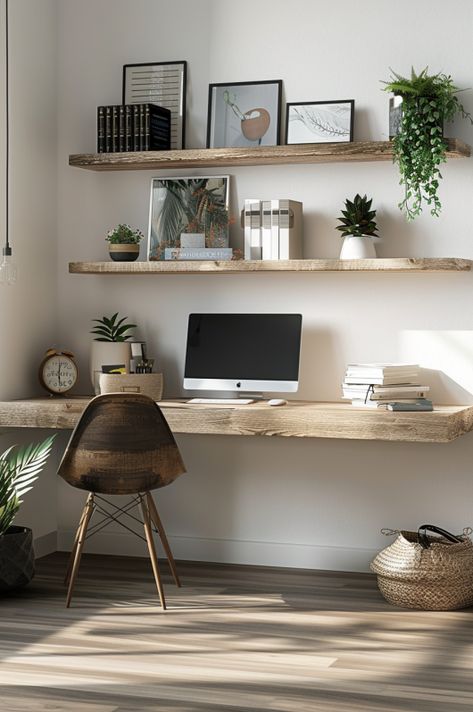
(419, 148)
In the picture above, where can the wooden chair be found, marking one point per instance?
(122, 445)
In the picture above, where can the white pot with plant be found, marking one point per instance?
(18, 471)
(110, 346)
(124, 243)
(358, 229)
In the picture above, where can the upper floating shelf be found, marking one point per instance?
(393, 264)
(262, 155)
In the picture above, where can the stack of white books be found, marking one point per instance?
(273, 229)
(392, 386)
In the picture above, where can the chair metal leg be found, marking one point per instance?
(74, 547)
(162, 535)
(152, 550)
(89, 509)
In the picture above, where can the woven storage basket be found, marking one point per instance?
(437, 578)
(149, 384)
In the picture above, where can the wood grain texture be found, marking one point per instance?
(234, 639)
(297, 419)
(389, 264)
(259, 156)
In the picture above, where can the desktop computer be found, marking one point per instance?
(242, 353)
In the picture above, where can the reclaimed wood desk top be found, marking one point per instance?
(302, 419)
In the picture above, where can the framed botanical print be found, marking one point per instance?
(320, 121)
(244, 114)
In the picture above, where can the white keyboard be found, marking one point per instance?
(223, 401)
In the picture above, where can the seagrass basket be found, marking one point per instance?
(436, 578)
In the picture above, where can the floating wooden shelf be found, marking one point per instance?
(260, 156)
(297, 419)
(394, 264)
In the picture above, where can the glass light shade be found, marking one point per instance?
(8, 270)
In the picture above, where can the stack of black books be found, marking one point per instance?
(133, 127)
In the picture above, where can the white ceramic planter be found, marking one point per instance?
(107, 353)
(358, 248)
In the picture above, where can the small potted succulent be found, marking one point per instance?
(111, 346)
(124, 243)
(358, 228)
(421, 105)
(18, 471)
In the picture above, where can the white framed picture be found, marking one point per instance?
(190, 212)
(320, 121)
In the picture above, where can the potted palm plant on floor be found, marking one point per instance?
(424, 102)
(18, 471)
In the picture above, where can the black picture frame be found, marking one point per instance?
(225, 119)
(177, 142)
(331, 138)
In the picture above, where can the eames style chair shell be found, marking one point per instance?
(122, 444)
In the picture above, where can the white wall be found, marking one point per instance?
(28, 310)
(289, 502)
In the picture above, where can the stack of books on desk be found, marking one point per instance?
(390, 386)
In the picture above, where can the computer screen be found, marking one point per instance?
(243, 352)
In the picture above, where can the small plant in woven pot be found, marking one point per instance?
(19, 469)
(124, 243)
(111, 346)
(419, 148)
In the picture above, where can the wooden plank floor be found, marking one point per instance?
(233, 639)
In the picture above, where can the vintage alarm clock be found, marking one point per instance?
(58, 372)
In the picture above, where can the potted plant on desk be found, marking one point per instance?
(421, 105)
(110, 346)
(124, 243)
(18, 472)
(358, 227)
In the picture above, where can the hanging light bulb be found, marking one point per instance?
(8, 269)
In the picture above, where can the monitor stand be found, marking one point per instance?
(234, 399)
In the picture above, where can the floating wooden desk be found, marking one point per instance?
(297, 419)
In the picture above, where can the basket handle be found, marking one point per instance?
(424, 540)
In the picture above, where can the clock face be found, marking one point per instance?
(59, 373)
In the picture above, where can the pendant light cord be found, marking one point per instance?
(7, 249)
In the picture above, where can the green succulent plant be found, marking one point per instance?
(358, 218)
(123, 234)
(419, 148)
(18, 472)
(112, 329)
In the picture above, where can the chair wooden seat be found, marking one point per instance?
(122, 445)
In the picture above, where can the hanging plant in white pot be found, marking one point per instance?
(358, 228)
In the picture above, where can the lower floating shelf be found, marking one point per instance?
(391, 264)
(300, 419)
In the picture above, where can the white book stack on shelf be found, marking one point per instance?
(389, 386)
(272, 229)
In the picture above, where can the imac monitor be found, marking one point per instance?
(243, 352)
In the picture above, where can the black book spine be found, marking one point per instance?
(160, 128)
(136, 126)
(146, 116)
(121, 128)
(114, 129)
(128, 128)
(142, 126)
(100, 129)
(108, 129)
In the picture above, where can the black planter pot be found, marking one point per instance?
(124, 252)
(16, 558)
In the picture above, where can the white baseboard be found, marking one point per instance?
(46, 544)
(232, 551)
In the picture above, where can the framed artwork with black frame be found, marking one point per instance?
(320, 121)
(162, 83)
(244, 114)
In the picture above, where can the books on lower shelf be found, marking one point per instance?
(133, 127)
(386, 385)
(272, 229)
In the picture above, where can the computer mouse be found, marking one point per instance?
(277, 401)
